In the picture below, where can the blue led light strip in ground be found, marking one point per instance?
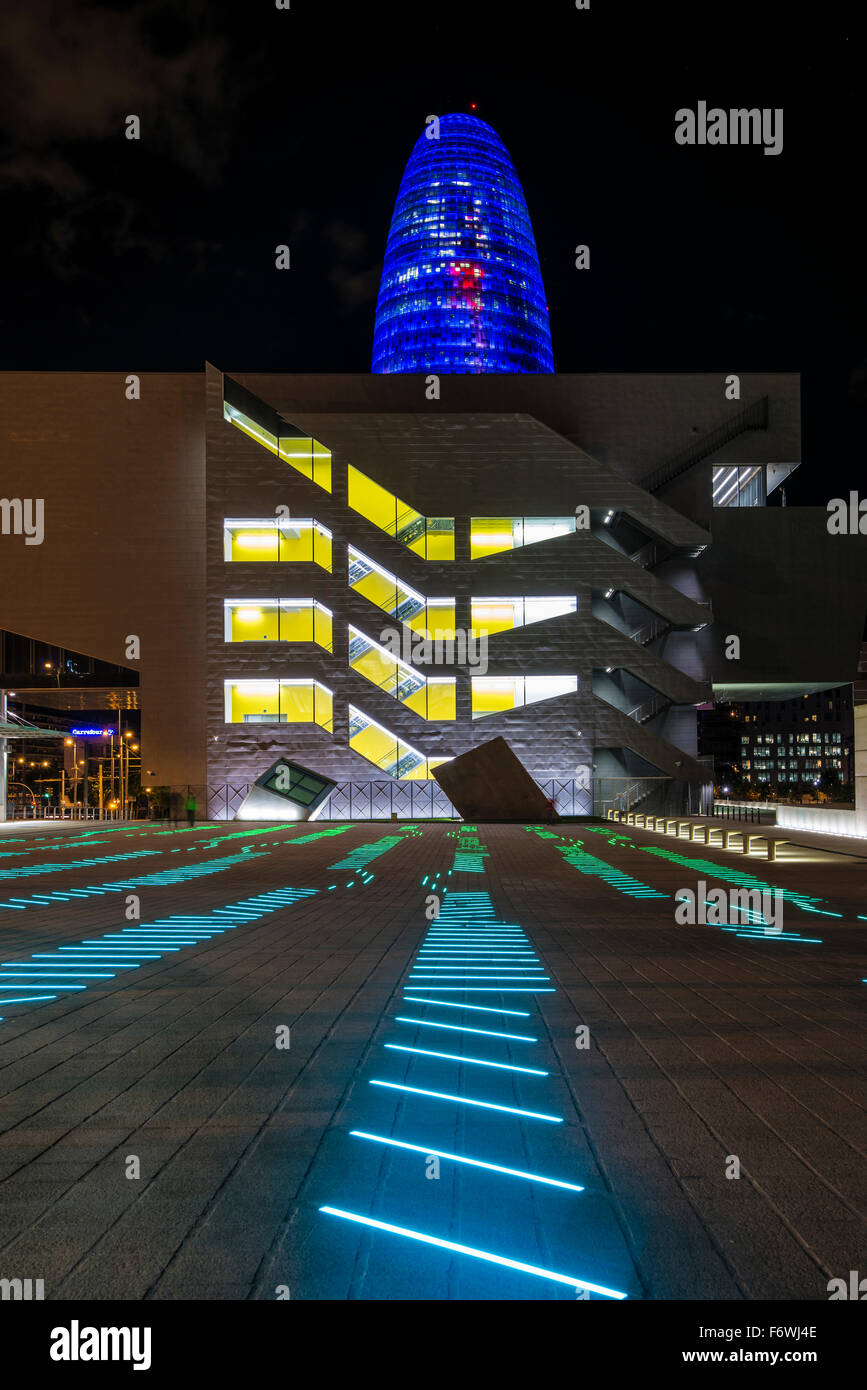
(461, 1158)
(41, 986)
(170, 935)
(28, 999)
(474, 1008)
(425, 976)
(425, 957)
(462, 1028)
(465, 1061)
(468, 944)
(466, 1100)
(479, 989)
(477, 1254)
(763, 936)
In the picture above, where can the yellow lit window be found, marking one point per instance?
(433, 538)
(278, 702)
(278, 620)
(380, 587)
(308, 456)
(296, 540)
(491, 534)
(386, 751)
(494, 615)
(495, 694)
(431, 697)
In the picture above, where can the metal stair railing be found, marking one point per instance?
(751, 417)
(648, 708)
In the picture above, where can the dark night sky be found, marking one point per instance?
(261, 127)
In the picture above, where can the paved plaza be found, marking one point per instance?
(425, 1061)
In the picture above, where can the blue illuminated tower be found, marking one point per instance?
(461, 288)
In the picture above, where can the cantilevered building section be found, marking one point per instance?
(461, 287)
(605, 534)
(487, 520)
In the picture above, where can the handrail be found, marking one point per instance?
(752, 417)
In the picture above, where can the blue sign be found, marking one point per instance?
(90, 733)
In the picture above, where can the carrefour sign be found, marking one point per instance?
(90, 733)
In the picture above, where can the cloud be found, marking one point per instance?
(72, 75)
(353, 288)
(353, 285)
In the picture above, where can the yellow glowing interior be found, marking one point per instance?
(254, 543)
(322, 627)
(378, 667)
(251, 623)
(490, 534)
(376, 745)
(493, 694)
(384, 750)
(308, 456)
(290, 702)
(304, 542)
(439, 542)
(321, 547)
(436, 621)
(286, 620)
(435, 617)
(434, 699)
(379, 589)
(385, 510)
(492, 615)
(248, 697)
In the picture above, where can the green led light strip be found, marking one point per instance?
(597, 868)
(739, 878)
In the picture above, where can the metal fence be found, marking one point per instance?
(756, 815)
(374, 800)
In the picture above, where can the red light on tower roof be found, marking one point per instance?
(472, 106)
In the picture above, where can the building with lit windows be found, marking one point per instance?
(461, 288)
(290, 542)
(784, 746)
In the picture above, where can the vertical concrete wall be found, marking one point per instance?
(123, 487)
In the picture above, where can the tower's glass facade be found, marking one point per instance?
(461, 287)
